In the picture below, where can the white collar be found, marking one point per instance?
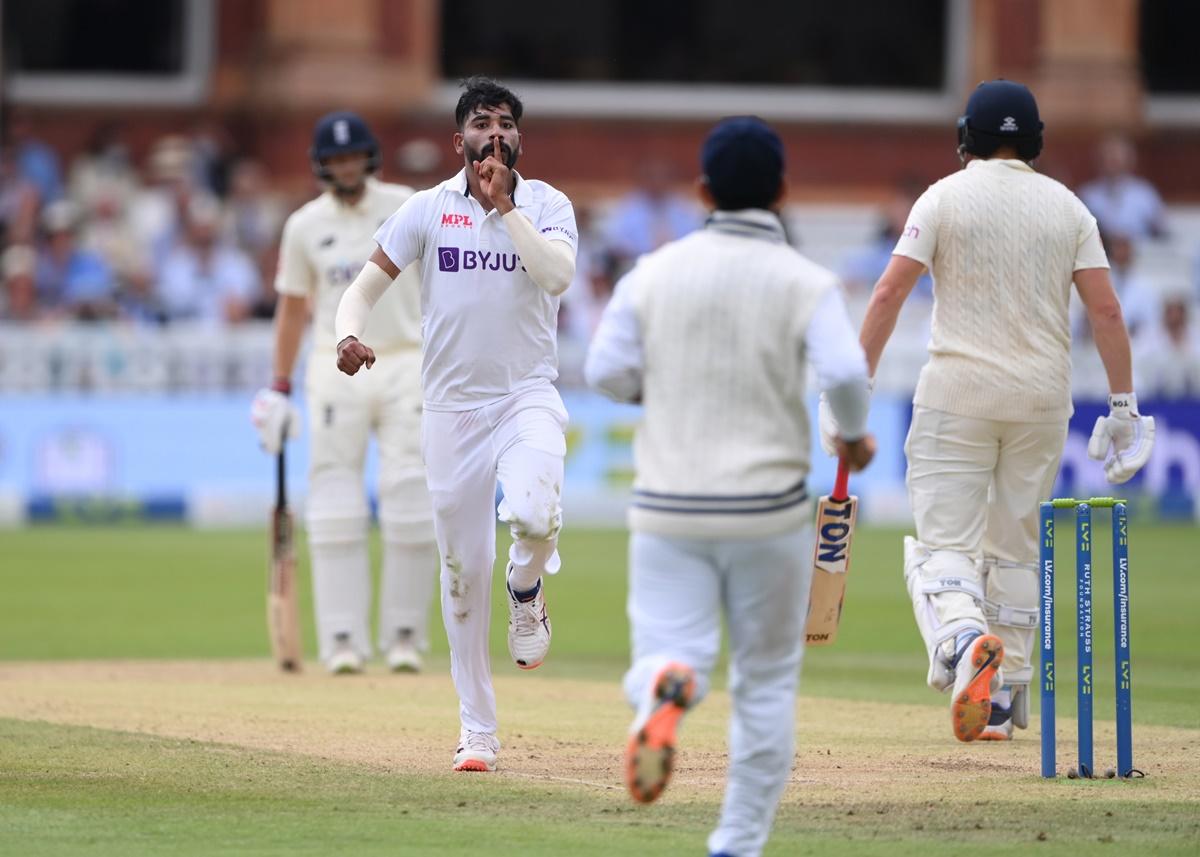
(522, 193)
(1011, 163)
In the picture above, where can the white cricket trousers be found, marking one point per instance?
(519, 441)
(343, 412)
(975, 485)
(678, 589)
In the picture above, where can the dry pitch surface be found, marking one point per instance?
(865, 772)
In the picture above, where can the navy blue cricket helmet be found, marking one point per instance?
(339, 133)
(1001, 113)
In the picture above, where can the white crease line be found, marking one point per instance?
(606, 786)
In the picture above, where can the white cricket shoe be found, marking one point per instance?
(345, 659)
(976, 676)
(1001, 731)
(528, 629)
(1010, 709)
(476, 752)
(404, 656)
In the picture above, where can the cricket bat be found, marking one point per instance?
(283, 608)
(831, 560)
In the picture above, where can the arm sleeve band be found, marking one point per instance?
(550, 264)
(366, 290)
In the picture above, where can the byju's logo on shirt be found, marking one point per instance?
(460, 221)
(453, 259)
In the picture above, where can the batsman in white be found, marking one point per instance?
(990, 411)
(496, 251)
(713, 334)
(324, 243)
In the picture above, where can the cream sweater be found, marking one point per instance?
(713, 334)
(1003, 243)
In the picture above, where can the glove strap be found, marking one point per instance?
(1124, 404)
(282, 385)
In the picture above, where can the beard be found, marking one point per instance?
(340, 189)
(506, 156)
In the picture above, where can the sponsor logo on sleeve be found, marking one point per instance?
(560, 229)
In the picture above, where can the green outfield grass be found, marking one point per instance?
(169, 593)
(89, 792)
(175, 593)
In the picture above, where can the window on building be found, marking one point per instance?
(1168, 54)
(856, 44)
(107, 51)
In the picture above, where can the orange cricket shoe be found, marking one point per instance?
(650, 755)
(976, 676)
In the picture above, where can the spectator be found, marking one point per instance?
(863, 268)
(651, 215)
(103, 172)
(19, 300)
(205, 279)
(212, 157)
(71, 281)
(106, 231)
(157, 210)
(1168, 355)
(263, 306)
(1140, 302)
(253, 215)
(584, 301)
(36, 161)
(1122, 202)
(19, 201)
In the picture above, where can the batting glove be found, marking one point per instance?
(1123, 440)
(275, 418)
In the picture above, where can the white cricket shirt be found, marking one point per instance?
(325, 244)
(490, 331)
(1003, 243)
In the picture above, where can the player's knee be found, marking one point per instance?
(326, 530)
(445, 505)
(537, 525)
(405, 511)
(336, 503)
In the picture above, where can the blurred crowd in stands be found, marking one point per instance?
(190, 236)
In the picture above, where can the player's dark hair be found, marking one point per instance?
(482, 91)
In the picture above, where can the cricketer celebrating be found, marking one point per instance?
(496, 251)
(713, 334)
(991, 406)
(323, 245)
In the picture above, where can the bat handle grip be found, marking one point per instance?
(280, 484)
(841, 486)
